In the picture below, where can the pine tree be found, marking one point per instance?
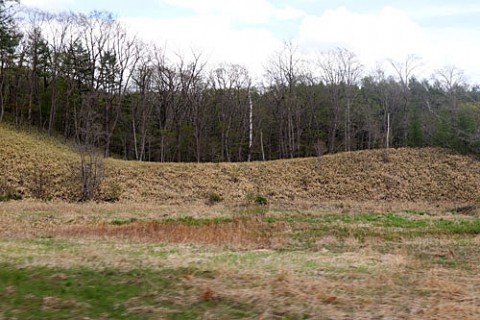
(9, 39)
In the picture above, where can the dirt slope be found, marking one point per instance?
(34, 166)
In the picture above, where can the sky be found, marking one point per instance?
(250, 32)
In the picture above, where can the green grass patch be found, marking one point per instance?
(117, 222)
(54, 293)
(186, 221)
(189, 221)
(386, 227)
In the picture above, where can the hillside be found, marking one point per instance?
(35, 166)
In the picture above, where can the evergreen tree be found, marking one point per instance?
(9, 40)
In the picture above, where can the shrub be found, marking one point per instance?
(42, 183)
(92, 171)
(10, 196)
(215, 198)
(123, 222)
(114, 192)
(261, 200)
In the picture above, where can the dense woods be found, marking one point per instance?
(86, 78)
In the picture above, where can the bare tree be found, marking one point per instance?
(189, 83)
(142, 107)
(57, 29)
(124, 51)
(231, 84)
(250, 125)
(405, 71)
(352, 71)
(332, 75)
(178, 88)
(91, 158)
(386, 93)
(98, 74)
(284, 72)
(340, 70)
(165, 87)
(451, 79)
(73, 64)
(92, 171)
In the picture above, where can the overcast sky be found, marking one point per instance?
(248, 32)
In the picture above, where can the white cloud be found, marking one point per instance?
(223, 31)
(244, 11)
(389, 34)
(455, 46)
(212, 36)
(392, 33)
(50, 5)
(444, 10)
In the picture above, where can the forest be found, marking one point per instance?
(87, 79)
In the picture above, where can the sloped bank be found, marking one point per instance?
(34, 166)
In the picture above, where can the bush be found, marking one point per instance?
(42, 183)
(261, 200)
(215, 198)
(123, 222)
(114, 192)
(92, 171)
(10, 196)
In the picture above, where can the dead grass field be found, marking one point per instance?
(334, 261)
(36, 167)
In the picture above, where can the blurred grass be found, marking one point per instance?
(55, 293)
(381, 227)
(413, 264)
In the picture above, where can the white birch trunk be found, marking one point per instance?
(250, 135)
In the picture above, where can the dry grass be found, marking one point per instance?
(240, 233)
(32, 218)
(93, 211)
(37, 167)
(199, 209)
(250, 262)
(412, 175)
(384, 295)
(335, 288)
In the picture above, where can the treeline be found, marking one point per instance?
(86, 78)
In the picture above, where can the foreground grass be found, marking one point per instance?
(229, 263)
(55, 293)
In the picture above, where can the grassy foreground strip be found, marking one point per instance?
(238, 263)
(54, 293)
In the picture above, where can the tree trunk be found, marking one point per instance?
(107, 131)
(388, 132)
(51, 120)
(261, 145)
(134, 132)
(67, 115)
(2, 107)
(179, 142)
(250, 126)
(347, 127)
(333, 134)
(405, 123)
